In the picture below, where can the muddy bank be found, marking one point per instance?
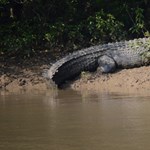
(126, 80)
(28, 76)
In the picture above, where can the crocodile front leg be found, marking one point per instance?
(106, 64)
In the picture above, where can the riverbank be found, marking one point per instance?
(125, 80)
(28, 76)
(24, 75)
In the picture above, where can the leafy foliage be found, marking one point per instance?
(27, 27)
(104, 27)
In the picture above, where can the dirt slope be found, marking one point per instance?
(14, 77)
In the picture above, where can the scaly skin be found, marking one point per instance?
(108, 57)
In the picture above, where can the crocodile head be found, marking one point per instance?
(146, 57)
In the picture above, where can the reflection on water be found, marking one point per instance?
(67, 120)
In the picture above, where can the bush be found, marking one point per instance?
(105, 27)
(27, 27)
(18, 38)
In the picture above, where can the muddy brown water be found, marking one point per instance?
(69, 120)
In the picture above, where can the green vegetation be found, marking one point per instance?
(28, 27)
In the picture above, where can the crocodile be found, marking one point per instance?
(106, 57)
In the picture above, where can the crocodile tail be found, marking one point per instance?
(71, 66)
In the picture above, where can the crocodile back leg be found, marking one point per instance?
(106, 64)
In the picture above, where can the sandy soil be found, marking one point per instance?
(126, 80)
(28, 76)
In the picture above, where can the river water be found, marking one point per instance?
(69, 120)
